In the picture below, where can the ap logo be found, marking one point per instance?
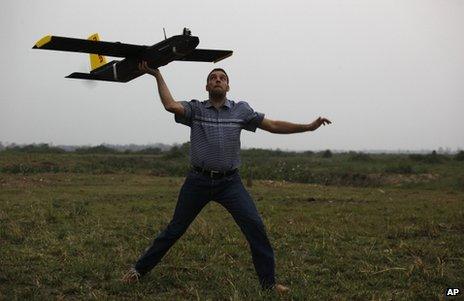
(452, 292)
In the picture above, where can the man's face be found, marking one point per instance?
(217, 85)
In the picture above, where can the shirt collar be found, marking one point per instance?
(226, 104)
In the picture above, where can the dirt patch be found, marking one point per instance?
(398, 179)
(271, 183)
(322, 200)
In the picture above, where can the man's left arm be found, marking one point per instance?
(284, 127)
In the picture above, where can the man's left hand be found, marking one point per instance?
(318, 122)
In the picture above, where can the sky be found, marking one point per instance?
(389, 74)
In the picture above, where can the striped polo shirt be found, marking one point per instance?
(215, 133)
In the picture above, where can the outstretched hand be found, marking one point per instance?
(318, 122)
(143, 67)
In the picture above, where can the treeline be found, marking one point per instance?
(44, 148)
(41, 148)
(178, 151)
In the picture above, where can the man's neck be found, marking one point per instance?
(217, 102)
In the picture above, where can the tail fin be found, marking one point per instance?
(96, 60)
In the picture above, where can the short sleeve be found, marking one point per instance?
(188, 113)
(252, 119)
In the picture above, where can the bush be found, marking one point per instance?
(308, 153)
(360, 157)
(401, 169)
(150, 151)
(431, 158)
(459, 156)
(101, 149)
(327, 154)
(174, 153)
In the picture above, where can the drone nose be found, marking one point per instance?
(193, 42)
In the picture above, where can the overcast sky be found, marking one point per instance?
(389, 74)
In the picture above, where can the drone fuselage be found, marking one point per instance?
(156, 56)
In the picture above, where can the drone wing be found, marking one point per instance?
(206, 55)
(89, 46)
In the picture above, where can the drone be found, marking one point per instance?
(176, 48)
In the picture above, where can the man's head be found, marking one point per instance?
(217, 83)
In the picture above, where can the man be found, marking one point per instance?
(215, 146)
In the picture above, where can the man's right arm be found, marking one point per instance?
(166, 98)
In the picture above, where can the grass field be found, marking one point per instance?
(72, 235)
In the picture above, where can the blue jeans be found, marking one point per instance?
(228, 191)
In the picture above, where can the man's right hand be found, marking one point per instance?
(143, 67)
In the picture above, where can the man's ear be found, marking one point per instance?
(228, 87)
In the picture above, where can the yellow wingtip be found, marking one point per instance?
(94, 37)
(43, 41)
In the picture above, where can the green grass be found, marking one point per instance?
(73, 235)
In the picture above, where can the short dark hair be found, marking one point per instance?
(217, 69)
